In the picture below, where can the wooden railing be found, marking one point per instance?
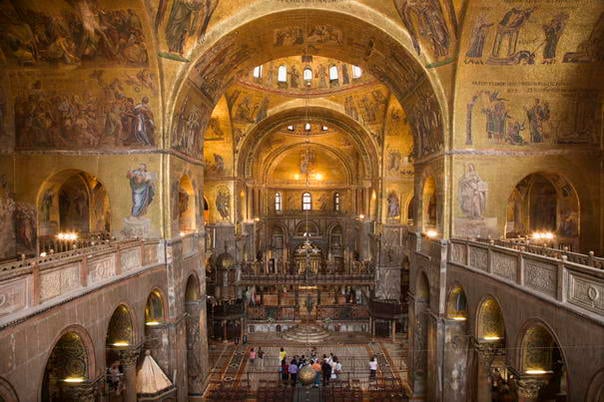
(576, 284)
(38, 282)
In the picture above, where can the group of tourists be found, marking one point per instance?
(327, 368)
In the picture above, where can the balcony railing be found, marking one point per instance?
(577, 284)
(311, 279)
(31, 284)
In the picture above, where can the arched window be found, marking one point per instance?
(307, 127)
(306, 202)
(333, 73)
(282, 74)
(257, 73)
(336, 202)
(308, 74)
(324, 128)
(357, 72)
(278, 202)
(291, 128)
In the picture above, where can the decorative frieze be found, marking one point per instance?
(130, 259)
(478, 258)
(458, 253)
(59, 281)
(586, 292)
(540, 277)
(13, 296)
(505, 266)
(101, 269)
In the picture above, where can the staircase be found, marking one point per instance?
(306, 333)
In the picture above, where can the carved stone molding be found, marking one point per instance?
(487, 353)
(528, 387)
(84, 392)
(129, 357)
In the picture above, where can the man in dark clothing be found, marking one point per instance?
(326, 369)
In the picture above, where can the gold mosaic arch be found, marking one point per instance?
(371, 48)
(489, 320)
(154, 309)
(365, 145)
(120, 329)
(192, 291)
(457, 308)
(537, 347)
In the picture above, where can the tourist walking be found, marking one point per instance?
(282, 355)
(293, 372)
(373, 366)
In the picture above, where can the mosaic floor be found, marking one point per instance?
(231, 363)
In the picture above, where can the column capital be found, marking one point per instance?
(129, 357)
(487, 352)
(528, 387)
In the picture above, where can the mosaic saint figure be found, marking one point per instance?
(144, 126)
(479, 33)
(472, 193)
(553, 31)
(143, 189)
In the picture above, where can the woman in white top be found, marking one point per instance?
(373, 366)
(336, 368)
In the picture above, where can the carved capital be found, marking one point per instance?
(129, 357)
(487, 353)
(528, 387)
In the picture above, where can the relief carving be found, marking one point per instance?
(59, 281)
(478, 258)
(541, 277)
(505, 266)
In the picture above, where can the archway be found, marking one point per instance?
(156, 328)
(544, 203)
(457, 305)
(542, 358)
(7, 392)
(72, 202)
(68, 371)
(489, 353)
(121, 355)
(186, 206)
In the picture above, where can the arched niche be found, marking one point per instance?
(186, 206)
(120, 336)
(73, 201)
(422, 288)
(410, 211)
(68, 366)
(192, 291)
(490, 326)
(309, 227)
(544, 202)
(457, 305)
(154, 309)
(7, 392)
(541, 355)
(206, 210)
(429, 205)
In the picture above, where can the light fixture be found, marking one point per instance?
(69, 236)
(256, 219)
(542, 236)
(43, 254)
(121, 344)
(182, 234)
(459, 318)
(431, 234)
(491, 338)
(152, 323)
(74, 380)
(318, 176)
(536, 372)
(361, 217)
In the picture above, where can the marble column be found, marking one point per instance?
(486, 353)
(194, 369)
(528, 388)
(129, 359)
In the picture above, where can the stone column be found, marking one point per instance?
(393, 329)
(129, 358)
(224, 331)
(194, 369)
(486, 353)
(528, 388)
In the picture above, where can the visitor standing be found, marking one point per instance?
(282, 355)
(252, 355)
(326, 368)
(336, 368)
(318, 369)
(373, 366)
(293, 372)
(260, 355)
(284, 371)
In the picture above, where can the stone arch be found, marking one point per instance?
(595, 391)
(121, 330)
(457, 303)
(72, 200)
(490, 323)
(71, 361)
(544, 202)
(540, 354)
(429, 203)
(7, 392)
(422, 287)
(192, 289)
(311, 227)
(386, 55)
(155, 308)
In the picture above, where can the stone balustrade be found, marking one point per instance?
(575, 284)
(312, 279)
(31, 285)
